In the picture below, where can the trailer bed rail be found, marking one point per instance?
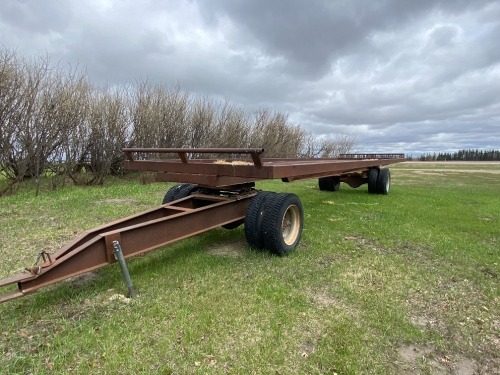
(216, 173)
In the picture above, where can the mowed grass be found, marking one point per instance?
(401, 284)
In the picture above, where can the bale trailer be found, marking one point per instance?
(210, 193)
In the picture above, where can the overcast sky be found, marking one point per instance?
(399, 75)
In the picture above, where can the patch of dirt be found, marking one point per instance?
(322, 299)
(439, 171)
(103, 301)
(415, 358)
(422, 322)
(311, 331)
(365, 243)
(329, 260)
(431, 172)
(79, 281)
(487, 218)
(465, 320)
(307, 348)
(233, 249)
(410, 354)
(120, 298)
(464, 366)
(117, 201)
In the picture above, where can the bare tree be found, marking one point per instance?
(231, 129)
(28, 139)
(328, 147)
(11, 82)
(96, 144)
(57, 123)
(201, 121)
(273, 132)
(159, 116)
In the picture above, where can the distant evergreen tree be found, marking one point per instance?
(462, 155)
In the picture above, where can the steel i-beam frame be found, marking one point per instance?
(137, 234)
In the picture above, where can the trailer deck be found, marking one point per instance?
(214, 193)
(216, 173)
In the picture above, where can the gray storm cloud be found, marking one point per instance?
(410, 76)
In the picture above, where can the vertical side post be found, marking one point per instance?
(118, 253)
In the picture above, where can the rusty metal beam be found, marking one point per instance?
(205, 180)
(183, 152)
(136, 234)
(209, 174)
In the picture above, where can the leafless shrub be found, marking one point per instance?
(11, 80)
(29, 133)
(99, 140)
(332, 147)
(201, 122)
(272, 131)
(231, 128)
(158, 116)
(56, 123)
(75, 148)
(328, 146)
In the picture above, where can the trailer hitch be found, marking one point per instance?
(37, 267)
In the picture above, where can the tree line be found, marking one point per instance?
(57, 123)
(462, 155)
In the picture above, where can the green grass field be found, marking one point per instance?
(401, 284)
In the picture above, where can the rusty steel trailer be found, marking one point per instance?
(212, 193)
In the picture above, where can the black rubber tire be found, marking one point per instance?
(179, 191)
(283, 223)
(254, 218)
(384, 181)
(373, 180)
(331, 183)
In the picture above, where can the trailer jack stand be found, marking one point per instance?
(118, 253)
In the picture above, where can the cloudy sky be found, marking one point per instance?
(399, 75)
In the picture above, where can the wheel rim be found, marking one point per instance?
(290, 226)
(388, 184)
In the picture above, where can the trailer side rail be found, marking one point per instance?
(227, 173)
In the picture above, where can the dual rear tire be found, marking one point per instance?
(379, 181)
(274, 221)
(331, 183)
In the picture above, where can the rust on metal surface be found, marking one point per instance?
(137, 234)
(182, 152)
(209, 173)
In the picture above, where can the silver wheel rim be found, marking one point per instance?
(290, 226)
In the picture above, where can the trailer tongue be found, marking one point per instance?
(214, 193)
